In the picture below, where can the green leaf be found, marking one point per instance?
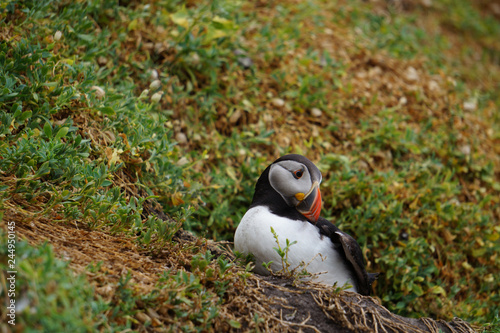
(25, 115)
(43, 169)
(16, 108)
(223, 23)
(214, 33)
(438, 290)
(106, 183)
(86, 37)
(234, 323)
(133, 25)
(181, 18)
(417, 289)
(107, 111)
(476, 253)
(61, 133)
(47, 129)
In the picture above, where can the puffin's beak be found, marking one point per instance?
(310, 204)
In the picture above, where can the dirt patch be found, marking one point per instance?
(348, 312)
(281, 306)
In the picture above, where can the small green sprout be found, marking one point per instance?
(283, 253)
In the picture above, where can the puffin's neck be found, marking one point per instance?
(266, 195)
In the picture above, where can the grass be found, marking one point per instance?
(50, 295)
(407, 140)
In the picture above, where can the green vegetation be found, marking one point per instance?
(283, 253)
(108, 107)
(50, 295)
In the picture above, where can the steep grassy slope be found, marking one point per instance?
(110, 112)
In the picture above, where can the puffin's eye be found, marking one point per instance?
(298, 173)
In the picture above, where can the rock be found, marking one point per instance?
(375, 71)
(411, 74)
(465, 149)
(181, 138)
(101, 60)
(361, 75)
(426, 3)
(267, 118)
(495, 8)
(243, 59)
(245, 62)
(433, 86)
(182, 161)
(315, 112)
(470, 105)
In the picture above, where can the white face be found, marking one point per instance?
(290, 178)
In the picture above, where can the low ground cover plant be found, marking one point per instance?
(116, 114)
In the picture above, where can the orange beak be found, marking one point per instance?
(310, 205)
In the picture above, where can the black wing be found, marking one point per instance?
(350, 249)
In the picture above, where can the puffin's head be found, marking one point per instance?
(297, 180)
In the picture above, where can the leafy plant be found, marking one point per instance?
(109, 107)
(298, 272)
(283, 253)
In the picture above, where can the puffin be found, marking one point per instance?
(288, 200)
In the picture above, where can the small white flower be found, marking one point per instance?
(155, 85)
(470, 105)
(153, 74)
(57, 35)
(156, 97)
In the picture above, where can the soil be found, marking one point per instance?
(284, 306)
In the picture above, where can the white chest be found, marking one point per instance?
(254, 235)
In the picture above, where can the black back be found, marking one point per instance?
(349, 249)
